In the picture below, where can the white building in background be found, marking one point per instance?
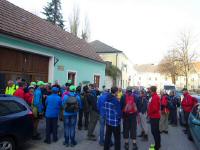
(148, 75)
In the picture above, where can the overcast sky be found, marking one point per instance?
(143, 29)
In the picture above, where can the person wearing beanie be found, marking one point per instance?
(71, 104)
(53, 104)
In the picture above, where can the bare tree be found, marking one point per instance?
(170, 65)
(186, 54)
(74, 21)
(86, 30)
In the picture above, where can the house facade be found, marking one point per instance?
(118, 59)
(35, 49)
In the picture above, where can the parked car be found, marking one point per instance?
(16, 122)
(194, 125)
(181, 113)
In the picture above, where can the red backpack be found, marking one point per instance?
(130, 105)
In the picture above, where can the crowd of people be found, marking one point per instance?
(113, 108)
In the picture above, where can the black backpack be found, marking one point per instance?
(71, 106)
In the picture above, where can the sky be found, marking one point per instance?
(143, 29)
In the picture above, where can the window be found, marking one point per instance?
(149, 78)
(156, 78)
(139, 78)
(96, 80)
(72, 76)
(10, 107)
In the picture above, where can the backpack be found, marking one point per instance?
(71, 106)
(130, 105)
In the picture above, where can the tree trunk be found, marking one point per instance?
(186, 80)
(173, 77)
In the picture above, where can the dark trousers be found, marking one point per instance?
(129, 125)
(117, 138)
(93, 121)
(155, 131)
(51, 127)
(186, 116)
(174, 116)
(80, 119)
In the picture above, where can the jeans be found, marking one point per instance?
(51, 127)
(186, 116)
(130, 125)
(174, 116)
(69, 128)
(155, 131)
(109, 131)
(102, 122)
(86, 119)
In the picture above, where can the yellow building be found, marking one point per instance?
(118, 59)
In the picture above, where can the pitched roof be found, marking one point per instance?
(101, 47)
(20, 23)
(146, 68)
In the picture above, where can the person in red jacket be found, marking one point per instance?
(187, 104)
(164, 113)
(154, 116)
(20, 91)
(28, 97)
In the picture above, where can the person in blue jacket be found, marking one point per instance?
(102, 121)
(37, 108)
(53, 104)
(71, 104)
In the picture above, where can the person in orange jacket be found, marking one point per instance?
(154, 116)
(187, 104)
(164, 113)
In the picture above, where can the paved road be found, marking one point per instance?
(175, 140)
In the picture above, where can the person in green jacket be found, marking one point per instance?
(11, 88)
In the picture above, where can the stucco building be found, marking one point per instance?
(35, 49)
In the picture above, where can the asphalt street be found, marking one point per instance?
(174, 140)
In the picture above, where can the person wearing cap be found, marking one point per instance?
(11, 88)
(187, 104)
(70, 116)
(33, 84)
(129, 109)
(154, 116)
(37, 108)
(53, 104)
(29, 95)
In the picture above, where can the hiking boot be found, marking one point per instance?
(142, 134)
(135, 146)
(73, 144)
(47, 141)
(66, 144)
(166, 132)
(92, 138)
(126, 146)
(145, 137)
